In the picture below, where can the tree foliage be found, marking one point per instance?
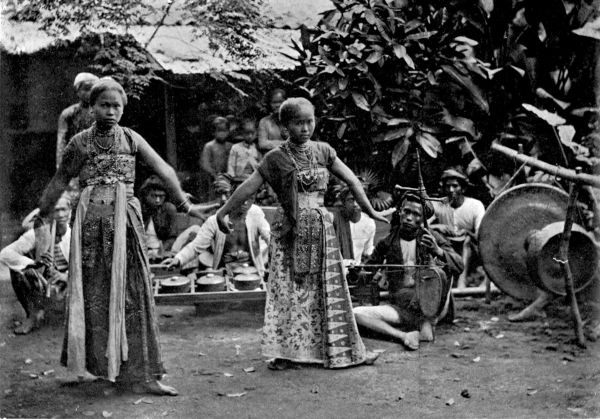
(398, 76)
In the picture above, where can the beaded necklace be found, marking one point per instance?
(308, 176)
(95, 137)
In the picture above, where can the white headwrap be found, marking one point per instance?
(82, 78)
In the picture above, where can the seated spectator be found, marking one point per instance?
(247, 243)
(38, 267)
(244, 156)
(215, 153)
(159, 217)
(355, 230)
(458, 218)
(410, 244)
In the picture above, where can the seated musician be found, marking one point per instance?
(410, 244)
(31, 276)
(355, 230)
(159, 217)
(459, 217)
(247, 244)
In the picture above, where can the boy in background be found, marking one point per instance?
(244, 156)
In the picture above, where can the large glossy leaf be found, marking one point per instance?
(399, 51)
(467, 84)
(398, 121)
(374, 57)
(429, 144)
(549, 117)
(400, 151)
(420, 35)
(361, 101)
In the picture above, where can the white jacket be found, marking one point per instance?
(210, 238)
(14, 255)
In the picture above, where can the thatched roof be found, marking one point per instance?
(176, 46)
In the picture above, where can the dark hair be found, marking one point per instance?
(151, 184)
(290, 106)
(219, 122)
(105, 85)
(428, 211)
(275, 91)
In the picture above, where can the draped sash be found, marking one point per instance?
(117, 348)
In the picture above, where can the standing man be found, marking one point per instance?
(355, 230)
(410, 244)
(76, 117)
(458, 218)
(31, 276)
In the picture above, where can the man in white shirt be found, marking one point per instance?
(31, 276)
(358, 225)
(458, 218)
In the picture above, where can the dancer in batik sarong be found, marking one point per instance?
(308, 313)
(111, 326)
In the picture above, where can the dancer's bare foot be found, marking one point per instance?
(30, 323)
(371, 357)
(411, 340)
(527, 315)
(154, 387)
(426, 334)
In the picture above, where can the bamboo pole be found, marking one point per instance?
(563, 260)
(569, 174)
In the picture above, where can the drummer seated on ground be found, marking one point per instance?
(458, 219)
(246, 245)
(408, 243)
(31, 276)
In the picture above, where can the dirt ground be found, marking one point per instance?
(482, 366)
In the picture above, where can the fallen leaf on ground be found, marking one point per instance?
(575, 409)
(249, 369)
(477, 359)
(106, 414)
(531, 392)
(449, 402)
(236, 394)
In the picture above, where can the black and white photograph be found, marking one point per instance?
(300, 209)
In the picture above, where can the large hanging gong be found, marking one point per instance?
(505, 228)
